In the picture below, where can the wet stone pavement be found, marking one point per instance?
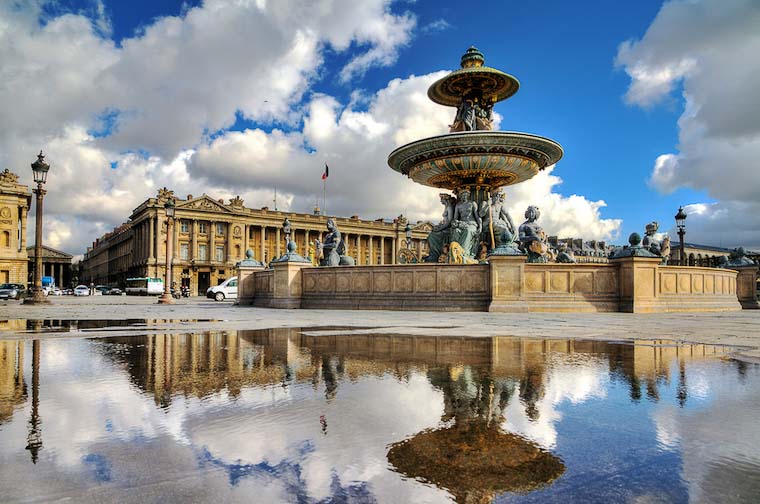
(117, 400)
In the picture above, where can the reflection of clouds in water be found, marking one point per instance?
(719, 445)
(360, 426)
(664, 417)
(563, 382)
(266, 439)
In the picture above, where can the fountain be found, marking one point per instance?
(472, 158)
(490, 264)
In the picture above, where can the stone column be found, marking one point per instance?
(305, 243)
(277, 238)
(194, 238)
(263, 243)
(230, 248)
(212, 242)
(393, 251)
(638, 283)
(359, 249)
(507, 284)
(746, 285)
(59, 280)
(175, 232)
(382, 250)
(152, 239)
(246, 283)
(287, 284)
(245, 238)
(371, 250)
(22, 242)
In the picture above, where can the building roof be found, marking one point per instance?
(713, 248)
(48, 253)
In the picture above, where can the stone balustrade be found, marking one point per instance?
(506, 284)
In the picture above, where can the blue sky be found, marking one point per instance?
(613, 82)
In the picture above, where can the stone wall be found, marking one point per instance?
(689, 288)
(264, 288)
(398, 287)
(572, 287)
(508, 284)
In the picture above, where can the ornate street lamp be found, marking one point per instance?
(40, 169)
(408, 232)
(681, 225)
(166, 298)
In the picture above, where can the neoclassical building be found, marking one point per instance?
(211, 236)
(703, 255)
(15, 199)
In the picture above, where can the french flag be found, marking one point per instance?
(326, 173)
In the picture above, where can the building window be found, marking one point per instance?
(184, 251)
(220, 254)
(220, 228)
(6, 238)
(202, 252)
(184, 226)
(202, 229)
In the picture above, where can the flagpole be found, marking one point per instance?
(324, 196)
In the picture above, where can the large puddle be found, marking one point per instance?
(285, 416)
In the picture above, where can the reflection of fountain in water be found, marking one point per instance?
(473, 457)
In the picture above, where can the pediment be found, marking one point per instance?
(424, 227)
(204, 204)
(49, 253)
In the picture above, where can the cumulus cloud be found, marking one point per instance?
(709, 49)
(119, 121)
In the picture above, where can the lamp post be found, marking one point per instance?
(166, 298)
(681, 225)
(40, 169)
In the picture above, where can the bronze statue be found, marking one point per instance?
(564, 255)
(332, 251)
(650, 242)
(532, 237)
(439, 236)
(466, 226)
(502, 221)
(665, 250)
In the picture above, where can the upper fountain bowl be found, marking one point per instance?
(475, 159)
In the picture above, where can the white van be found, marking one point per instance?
(225, 290)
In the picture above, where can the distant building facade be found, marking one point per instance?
(211, 236)
(15, 199)
(55, 264)
(703, 255)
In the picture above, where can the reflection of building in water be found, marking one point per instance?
(202, 364)
(12, 385)
(646, 366)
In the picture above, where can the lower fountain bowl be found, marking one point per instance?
(475, 159)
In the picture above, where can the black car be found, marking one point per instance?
(12, 291)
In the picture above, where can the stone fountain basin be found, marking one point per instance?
(475, 158)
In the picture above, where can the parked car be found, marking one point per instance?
(227, 289)
(115, 291)
(12, 291)
(102, 290)
(81, 290)
(55, 291)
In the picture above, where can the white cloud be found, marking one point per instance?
(153, 108)
(710, 49)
